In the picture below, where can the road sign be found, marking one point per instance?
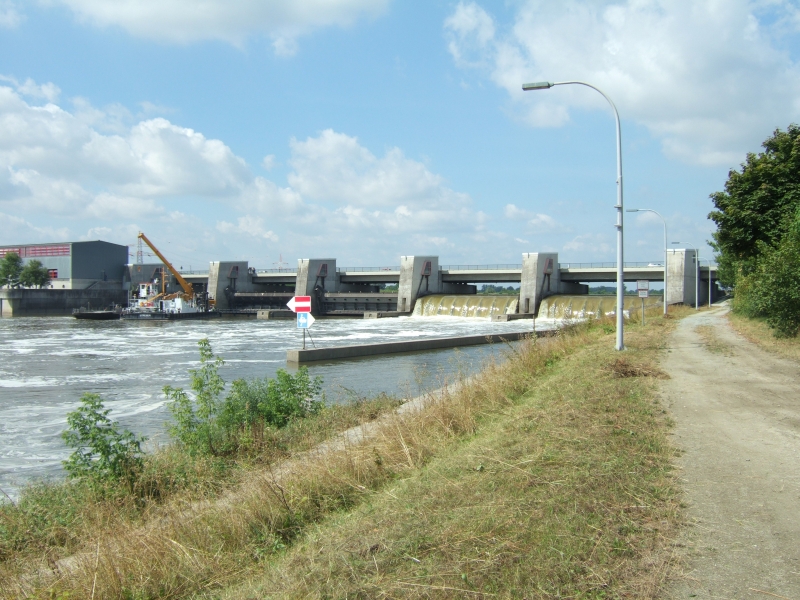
(304, 320)
(644, 293)
(300, 304)
(642, 284)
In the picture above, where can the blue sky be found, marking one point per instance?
(368, 129)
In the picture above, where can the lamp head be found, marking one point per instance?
(539, 85)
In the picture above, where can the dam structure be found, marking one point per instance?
(357, 291)
(97, 274)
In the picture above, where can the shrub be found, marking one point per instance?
(103, 452)
(216, 426)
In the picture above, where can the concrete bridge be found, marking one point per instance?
(357, 291)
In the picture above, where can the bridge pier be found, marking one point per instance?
(227, 274)
(419, 276)
(315, 277)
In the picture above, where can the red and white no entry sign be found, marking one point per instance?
(300, 304)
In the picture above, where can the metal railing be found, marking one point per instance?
(284, 270)
(365, 269)
(610, 265)
(480, 267)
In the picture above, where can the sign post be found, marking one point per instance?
(301, 305)
(643, 287)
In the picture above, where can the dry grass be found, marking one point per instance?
(758, 332)
(712, 342)
(546, 475)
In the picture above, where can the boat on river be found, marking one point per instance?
(160, 307)
(152, 305)
(106, 314)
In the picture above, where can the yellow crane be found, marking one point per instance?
(188, 290)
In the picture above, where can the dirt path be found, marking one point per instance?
(737, 415)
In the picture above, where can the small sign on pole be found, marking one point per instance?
(643, 287)
(305, 320)
(300, 304)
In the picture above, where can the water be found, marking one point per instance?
(579, 307)
(465, 306)
(46, 364)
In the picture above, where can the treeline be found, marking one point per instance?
(14, 275)
(758, 233)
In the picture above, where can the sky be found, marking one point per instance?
(364, 130)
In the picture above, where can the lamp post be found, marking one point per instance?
(546, 85)
(665, 247)
(696, 274)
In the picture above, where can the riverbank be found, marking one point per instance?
(546, 474)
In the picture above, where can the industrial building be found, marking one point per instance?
(76, 265)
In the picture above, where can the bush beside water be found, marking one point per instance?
(110, 478)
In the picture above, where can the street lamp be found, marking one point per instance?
(696, 274)
(665, 247)
(546, 85)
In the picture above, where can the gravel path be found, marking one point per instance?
(737, 421)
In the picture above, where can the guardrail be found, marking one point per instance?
(609, 265)
(285, 270)
(480, 267)
(365, 269)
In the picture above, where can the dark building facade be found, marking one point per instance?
(77, 265)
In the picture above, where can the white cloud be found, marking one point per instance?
(268, 162)
(248, 225)
(709, 78)
(537, 222)
(10, 18)
(102, 171)
(16, 228)
(176, 21)
(589, 244)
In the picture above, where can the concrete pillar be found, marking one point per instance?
(224, 274)
(681, 273)
(419, 276)
(315, 276)
(540, 278)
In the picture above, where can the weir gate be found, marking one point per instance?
(357, 291)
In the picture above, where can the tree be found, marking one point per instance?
(34, 275)
(758, 233)
(758, 204)
(10, 270)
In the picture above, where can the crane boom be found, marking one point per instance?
(187, 287)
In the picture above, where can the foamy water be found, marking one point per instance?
(46, 364)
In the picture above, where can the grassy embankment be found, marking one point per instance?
(758, 332)
(547, 475)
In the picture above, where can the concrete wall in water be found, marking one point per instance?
(24, 303)
(540, 278)
(315, 276)
(223, 274)
(419, 276)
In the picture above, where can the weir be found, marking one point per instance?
(465, 306)
(580, 307)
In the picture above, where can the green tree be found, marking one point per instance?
(103, 452)
(34, 275)
(10, 270)
(758, 233)
(758, 205)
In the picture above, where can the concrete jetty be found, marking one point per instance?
(361, 350)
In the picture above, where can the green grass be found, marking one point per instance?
(567, 491)
(547, 475)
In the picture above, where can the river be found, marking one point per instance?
(46, 364)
